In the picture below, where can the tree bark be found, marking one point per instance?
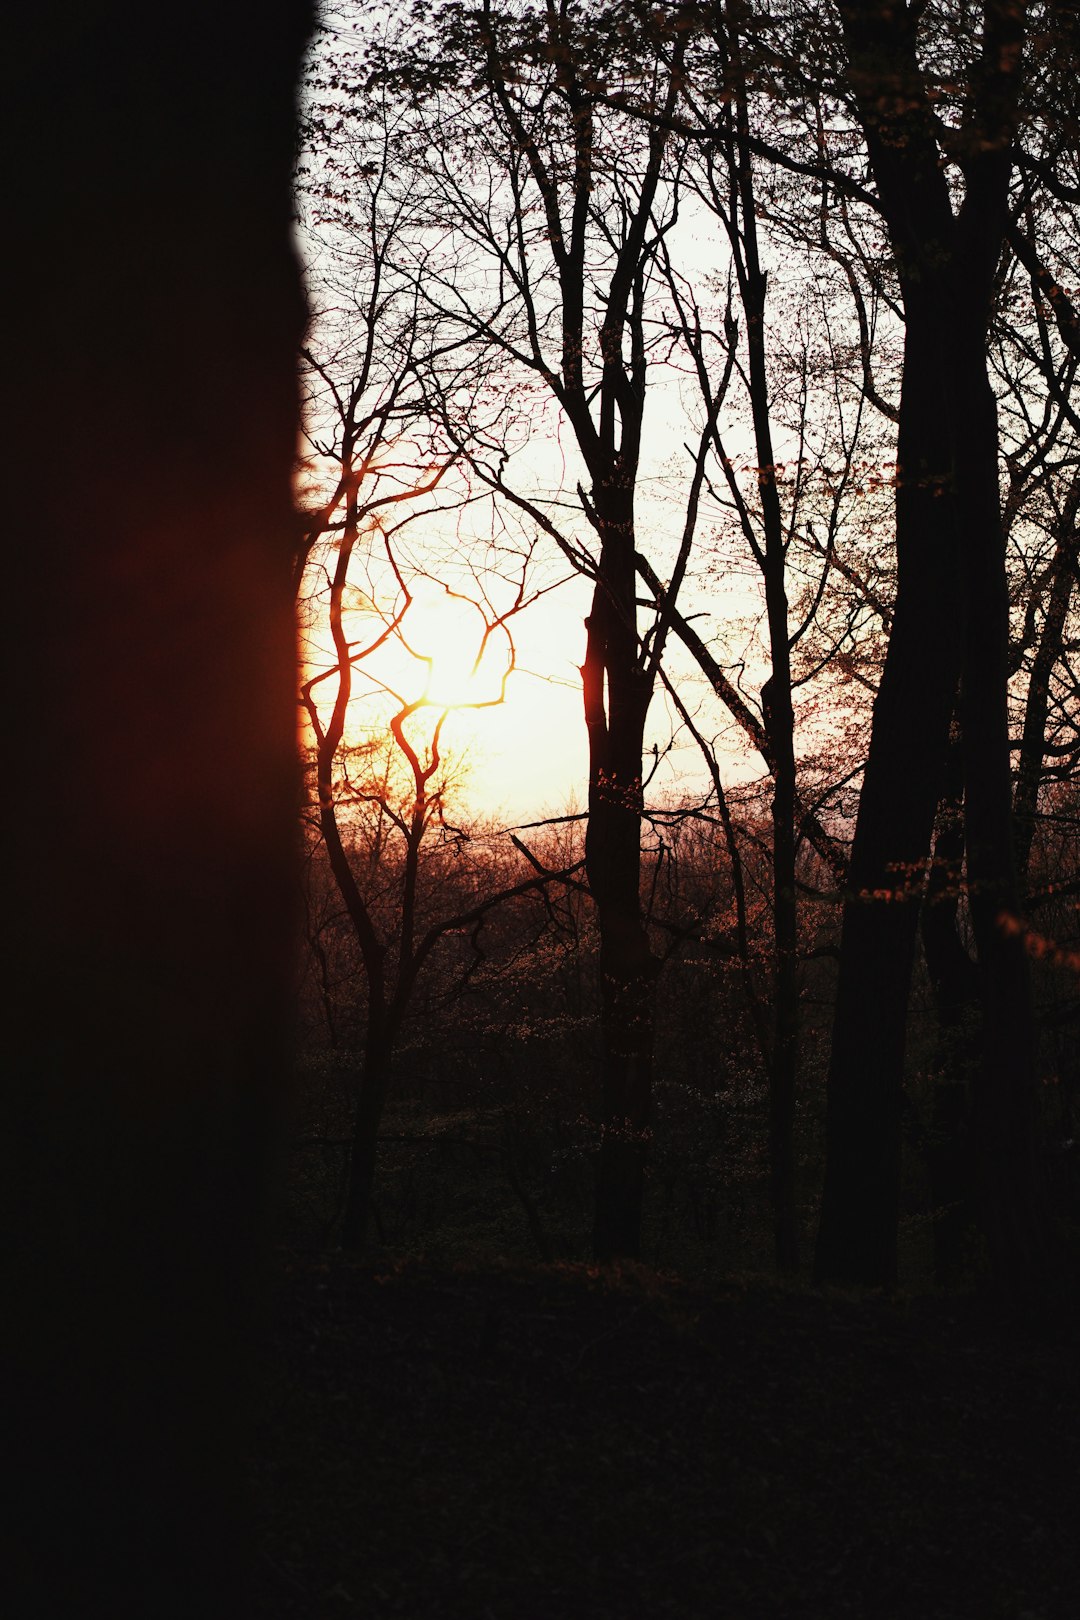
(150, 665)
(951, 618)
(1009, 1195)
(858, 1234)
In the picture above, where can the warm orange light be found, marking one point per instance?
(507, 697)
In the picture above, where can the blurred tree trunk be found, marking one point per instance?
(150, 666)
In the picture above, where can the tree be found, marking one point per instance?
(949, 632)
(768, 518)
(556, 207)
(150, 857)
(551, 165)
(939, 155)
(382, 465)
(552, 194)
(399, 937)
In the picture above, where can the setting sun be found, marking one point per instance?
(452, 655)
(503, 687)
(513, 692)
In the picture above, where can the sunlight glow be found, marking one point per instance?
(457, 658)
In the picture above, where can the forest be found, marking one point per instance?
(695, 384)
(543, 887)
(745, 340)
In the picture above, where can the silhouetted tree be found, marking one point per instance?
(381, 465)
(395, 940)
(949, 632)
(556, 207)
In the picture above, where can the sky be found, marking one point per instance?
(527, 756)
(516, 723)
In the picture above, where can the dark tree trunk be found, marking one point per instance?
(858, 1234)
(779, 722)
(951, 618)
(1008, 1191)
(370, 1102)
(778, 718)
(150, 671)
(616, 694)
(604, 409)
(1050, 645)
(954, 981)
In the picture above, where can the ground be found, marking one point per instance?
(534, 1442)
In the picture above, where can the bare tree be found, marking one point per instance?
(378, 467)
(543, 214)
(396, 933)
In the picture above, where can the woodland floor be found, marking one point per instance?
(529, 1443)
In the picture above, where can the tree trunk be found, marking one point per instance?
(370, 1102)
(860, 1206)
(951, 615)
(779, 722)
(954, 982)
(1051, 639)
(616, 703)
(778, 718)
(1009, 1194)
(150, 660)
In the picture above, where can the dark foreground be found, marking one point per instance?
(532, 1444)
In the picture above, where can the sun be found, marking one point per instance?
(504, 689)
(458, 654)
